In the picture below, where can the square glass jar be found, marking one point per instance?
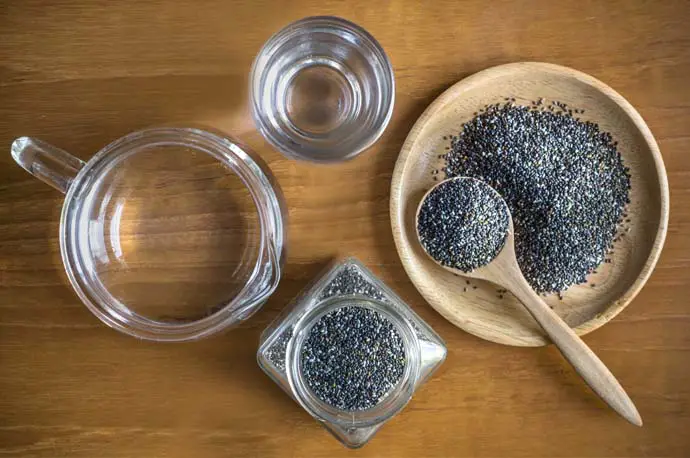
(348, 283)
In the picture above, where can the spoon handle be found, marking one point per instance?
(580, 356)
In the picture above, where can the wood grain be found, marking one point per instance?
(479, 310)
(79, 74)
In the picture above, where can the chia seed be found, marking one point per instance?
(350, 281)
(276, 352)
(352, 358)
(563, 180)
(463, 224)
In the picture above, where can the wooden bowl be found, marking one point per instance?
(476, 306)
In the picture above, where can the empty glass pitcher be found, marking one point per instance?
(167, 234)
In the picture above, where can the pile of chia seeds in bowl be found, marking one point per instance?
(562, 178)
(352, 358)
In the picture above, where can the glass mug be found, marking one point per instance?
(167, 234)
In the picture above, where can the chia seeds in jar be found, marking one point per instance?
(350, 352)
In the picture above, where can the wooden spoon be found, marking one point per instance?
(504, 271)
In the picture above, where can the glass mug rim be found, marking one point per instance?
(109, 309)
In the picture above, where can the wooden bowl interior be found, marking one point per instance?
(480, 310)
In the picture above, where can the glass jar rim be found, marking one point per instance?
(393, 401)
(271, 234)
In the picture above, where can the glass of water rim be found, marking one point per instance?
(322, 89)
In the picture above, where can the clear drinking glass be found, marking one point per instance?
(348, 283)
(322, 89)
(167, 234)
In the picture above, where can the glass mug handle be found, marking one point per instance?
(49, 164)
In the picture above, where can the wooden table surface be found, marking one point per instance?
(81, 73)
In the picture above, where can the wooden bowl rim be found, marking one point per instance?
(452, 93)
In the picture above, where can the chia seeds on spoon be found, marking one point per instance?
(463, 224)
(563, 180)
(352, 358)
